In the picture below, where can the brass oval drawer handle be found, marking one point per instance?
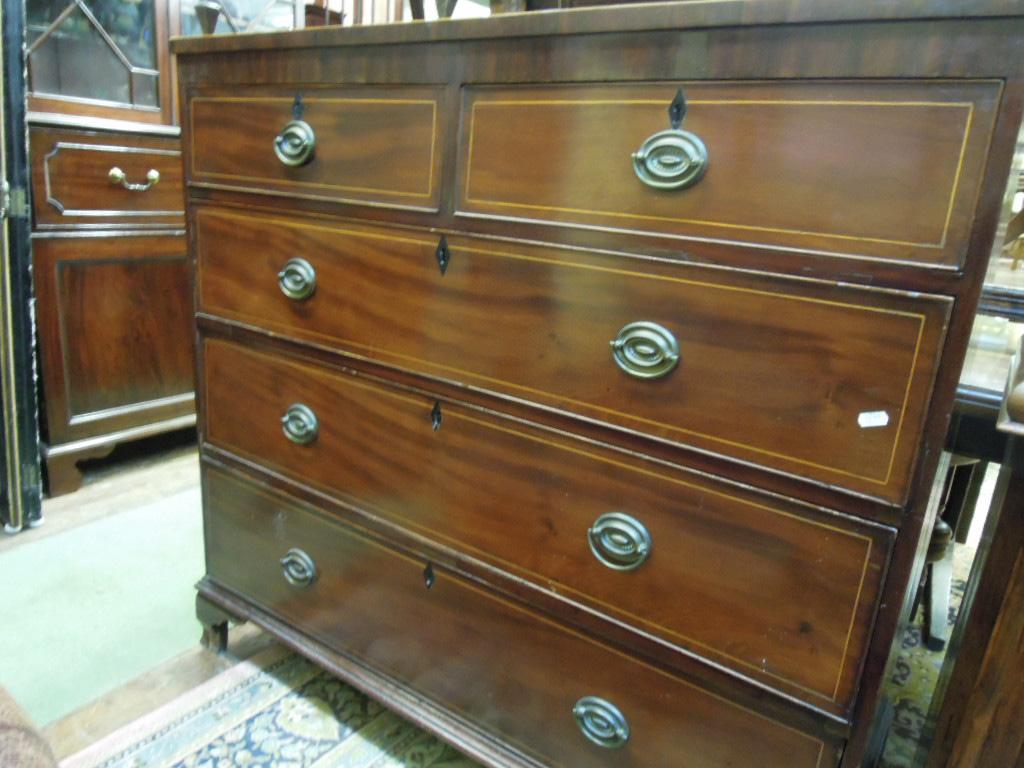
(297, 279)
(117, 177)
(601, 722)
(295, 144)
(645, 350)
(300, 424)
(298, 568)
(672, 159)
(619, 541)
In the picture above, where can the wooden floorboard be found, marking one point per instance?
(150, 691)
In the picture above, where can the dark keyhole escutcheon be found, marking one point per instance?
(435, 416)
(443, 254)
(428, 575)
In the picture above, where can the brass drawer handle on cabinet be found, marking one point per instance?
(300, 424)
(601, 722)
(295, 144)
(298, 568)
(645, 350)
(297, 279)
(619, 541)
(117, 177)
(672, 159)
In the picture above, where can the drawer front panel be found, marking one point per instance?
(76, 181)
(374, 145)
(514, 673)
(536, 505)
(824, 381)
(886, 171)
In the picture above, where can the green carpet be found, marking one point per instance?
(89, 609)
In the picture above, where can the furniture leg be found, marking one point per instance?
(215, 625)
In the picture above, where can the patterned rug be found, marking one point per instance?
(915, 673)
(276, 710)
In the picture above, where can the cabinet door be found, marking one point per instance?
(99, 57)
(115, 332)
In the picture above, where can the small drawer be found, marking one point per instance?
(886, 171)
(92, 179)
(505, 669)
(381, 146)
(705, 567)
(823, 381)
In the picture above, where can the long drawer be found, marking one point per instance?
(381, 146)
(823, 381)
(884, 170)
(95, 179)
(703, 566)
(502, 667)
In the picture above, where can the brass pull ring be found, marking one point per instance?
(672, 159)
(601, 722)
(297, 279)
(300, 424)
(298, 568)
(117, 177)
(295, 144)
(619, 541)
(645, 350)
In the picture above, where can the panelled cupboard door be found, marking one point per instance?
(822, 381)
(883, 170)
(535, 684)
(115, 332)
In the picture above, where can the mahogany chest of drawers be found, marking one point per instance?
(574, 382)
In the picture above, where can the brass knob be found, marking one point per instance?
(298, 568)
(117, 177)
(601, 722)
(297, 279)
(300, 424)
(619, 541)
(295, 144)
(645, 350)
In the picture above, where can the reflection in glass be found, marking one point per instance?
(993, 343)
(241, 16)
(101, 50)
(1006, 267)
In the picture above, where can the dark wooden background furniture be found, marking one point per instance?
(980, 701)
(112, 289)
(565, 466)
(113, 306)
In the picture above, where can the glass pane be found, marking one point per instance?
(241, 16)
(75, 60)
(147, 89)
(40, 16)
(1006, 267)
(131, 26)
(993, 343)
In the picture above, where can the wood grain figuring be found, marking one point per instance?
(524, 501)
(772, 371)
(115, 332)
(372, 603)
(72, 189)
(139, 346)
(886, 171)
(372, 144)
